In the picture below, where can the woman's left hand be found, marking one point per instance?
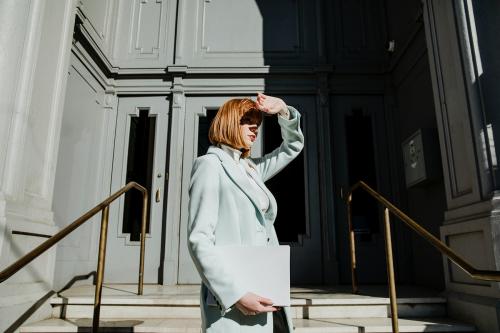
(270, 104)
(252, 304)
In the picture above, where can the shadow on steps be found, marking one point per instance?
(111, 326)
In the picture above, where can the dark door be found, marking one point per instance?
(360, 153)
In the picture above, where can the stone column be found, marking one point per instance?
(461, 43)
(19, 26)
(36, 42)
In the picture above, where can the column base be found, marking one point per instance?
(481, 311)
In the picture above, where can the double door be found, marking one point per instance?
(141, 144)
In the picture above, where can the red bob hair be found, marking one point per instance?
(225, 127)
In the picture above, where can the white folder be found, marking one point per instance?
(262, 270)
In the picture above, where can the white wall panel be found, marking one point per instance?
(222, 32)
(474, 240)
(225, 30)
(246, 33)
(471, 245)
(96, 13)
(453, 114)
(357, 37)
(81, 178)
(99, 18)
(145, 34)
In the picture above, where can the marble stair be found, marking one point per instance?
(176, 309)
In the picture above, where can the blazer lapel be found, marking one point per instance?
(234, 172)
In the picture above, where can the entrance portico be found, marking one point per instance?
(102, 92)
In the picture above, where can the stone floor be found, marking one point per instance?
(346, 325)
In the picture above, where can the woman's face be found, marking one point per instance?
(249, 126)
(249, 132)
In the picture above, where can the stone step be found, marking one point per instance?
(171, 302)
(327, 325)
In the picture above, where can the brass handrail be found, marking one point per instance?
(478, 274)
(104, 207)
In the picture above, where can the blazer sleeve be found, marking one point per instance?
(203, 210)
(293, 142)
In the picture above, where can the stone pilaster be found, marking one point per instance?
(36, 40)
(466, 113)
(175, 175)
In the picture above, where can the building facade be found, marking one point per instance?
(96, 93)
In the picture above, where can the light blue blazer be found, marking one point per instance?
(223, 210)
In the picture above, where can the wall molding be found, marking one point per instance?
(462, 283)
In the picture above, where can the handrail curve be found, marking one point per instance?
(103, 207)
(478, 274)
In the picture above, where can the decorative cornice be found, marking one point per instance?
(91, 47)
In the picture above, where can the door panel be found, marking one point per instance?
(305, 241)
(360, 154)
(195, 132)
(296, 188)
(139, 155)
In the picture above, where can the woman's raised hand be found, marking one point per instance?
(270, 104)
(252, 304)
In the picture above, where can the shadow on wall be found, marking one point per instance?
(40, 302)
(17, 253)
(286, 43)
(29, 312)
(14, 252)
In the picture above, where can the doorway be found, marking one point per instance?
(360, 153)
(139, 155)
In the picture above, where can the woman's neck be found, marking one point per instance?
(233, 152)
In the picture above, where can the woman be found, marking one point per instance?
(230, 205)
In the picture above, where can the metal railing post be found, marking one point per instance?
(143, 243)
(100, 268)
(352, 245)
(390, 272)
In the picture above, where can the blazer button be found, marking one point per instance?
(268, 239)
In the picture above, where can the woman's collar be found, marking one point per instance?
(233, 152)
